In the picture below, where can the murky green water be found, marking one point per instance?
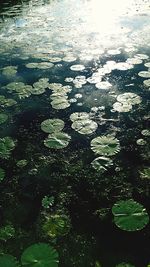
(74, 131)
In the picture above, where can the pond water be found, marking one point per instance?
(74, 133)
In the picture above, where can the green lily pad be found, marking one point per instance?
(77, 67)
(22, 163)
(20, 89)
(7, 102)
(41, 65)
(60, 103)
(8, 261)
(52, 125)
(9, 71)
(6, 145)
(84, 126)
(130, 215)
(2, 174)
(40, 255)
(105, 145)
(101, 164)
(57, 140)
(3, 118)
(147, 82)
(103, 85)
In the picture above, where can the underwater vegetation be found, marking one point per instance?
(74, 134)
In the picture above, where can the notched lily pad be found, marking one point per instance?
(105, 145)
(52, 125)
(57, 140)
(101, 164)
(6, 146)
(130, 215)
(86, 126)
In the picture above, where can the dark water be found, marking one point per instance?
(108, 45)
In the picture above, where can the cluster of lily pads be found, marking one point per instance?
(82, 123)
(56, 138)
(37, 255)
(105, 147)
(126, 101)
(59, 95)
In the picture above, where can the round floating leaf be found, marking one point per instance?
(147, 64)
(122, 107)
(79, 116)
(142, 56)
(6, 145)
(3, 118)
(129, 98)
(144, 74)
(147, 83)
(101, 163)
(2, 174)
(130, 215)
(123, 264)
(84, 126)
(52, 125)
(141, 142)
(40, 255)
(103, 85)
(77, 67)
(57, 140)
(8, 261)
(60, 103)
(145, 132)
(9, 71)
(105, 145)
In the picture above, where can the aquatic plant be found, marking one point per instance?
(9, 71)
(55, 225)
(145, 173)
(130, 215)
(8, 261)
(77, 67)
(20, 89)
(2, 174)
(84, 126)
(147, 82)
(22, 163)
(103, 85)
(101, 164)
(3, 118)
(144, 74)
(145, 132)
(47, 202)
(52, 125)
(105, 145)
(60, 103)
(6, 146)
(7, 102)
(57, 140)
(122, 107)
(7, 232)
(40, 65)
(79, 116)
(40, 255)
(129, 98)
(141, 142)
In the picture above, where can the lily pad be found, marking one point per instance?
(57, 140)
(84, 126)
(9, 71)
(144, 74)
(52, 125)
(6, 145)
(60, 103)
(101, 163)
(145, 132)
(130, 215)
(77, 67)
(2, 174)
(147, 64)
(141, 142)
(3, 118)
(103, 85)
(129, 98)
(122, 107)
(105, 145)
(7, 102)
(147, 83)
(8, 261)
(40, 255)
(79, 116)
